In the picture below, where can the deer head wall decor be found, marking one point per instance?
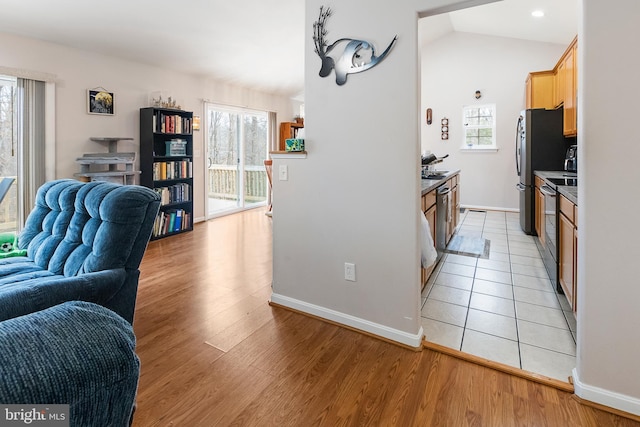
(357, 55)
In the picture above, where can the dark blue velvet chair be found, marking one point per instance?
(78, 354)
(84, 241)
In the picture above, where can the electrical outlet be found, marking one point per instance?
(349, 272)
(283, 173)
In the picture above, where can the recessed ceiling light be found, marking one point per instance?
(537, 13)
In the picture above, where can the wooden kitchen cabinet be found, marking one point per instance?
(567, 250)
(539, 209)
(559, 84)
(456, 204)
(570, 119)
(430, 214)
(428, 205)
(557, 88)
(452, 216)
(454, 208)
(539, 90)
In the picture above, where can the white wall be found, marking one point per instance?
(356, 197)
(453, 68)
(131, 82)
(608, 370)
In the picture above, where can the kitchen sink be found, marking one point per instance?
(572, 182)
(434, 174)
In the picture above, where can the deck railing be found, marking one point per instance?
(223, 183)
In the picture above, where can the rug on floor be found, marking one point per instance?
(469, 246)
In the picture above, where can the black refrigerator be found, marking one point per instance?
(540, 145)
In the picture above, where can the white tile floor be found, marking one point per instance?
(503, 308)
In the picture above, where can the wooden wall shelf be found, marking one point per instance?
(288, 130)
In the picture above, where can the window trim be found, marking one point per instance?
(480, 148)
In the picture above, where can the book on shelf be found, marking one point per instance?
(178, 169)
(177, 193)
(171, 221)
(172, 123)
(178, 221)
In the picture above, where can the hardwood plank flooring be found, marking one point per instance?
(214, 353)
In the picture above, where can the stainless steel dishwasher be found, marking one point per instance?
(443, 217)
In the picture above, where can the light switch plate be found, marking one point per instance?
(283, 173)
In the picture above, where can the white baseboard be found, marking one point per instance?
(489, 208)
(605, 397)
(351, 321)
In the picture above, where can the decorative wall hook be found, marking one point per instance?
(357, 56)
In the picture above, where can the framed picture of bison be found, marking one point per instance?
(100, 101)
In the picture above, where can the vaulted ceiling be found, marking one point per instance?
(253, 43)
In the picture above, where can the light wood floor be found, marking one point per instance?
(213, 352)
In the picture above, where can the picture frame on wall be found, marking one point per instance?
(100, 101)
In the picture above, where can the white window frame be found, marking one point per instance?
(465, 126)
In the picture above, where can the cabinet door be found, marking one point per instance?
(539, 220)
(560, 83)
(430, 214)
(566, 257)
(540, 90)
(454, 209)
(528, 92)
(570, 116)
(456, 216)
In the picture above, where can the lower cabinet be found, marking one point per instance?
(568, 249)
(429, 210)
(428, 204)
(454, 208)
(539, 209)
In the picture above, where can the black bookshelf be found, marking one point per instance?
(168, 168)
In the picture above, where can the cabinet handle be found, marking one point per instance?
(548, 191)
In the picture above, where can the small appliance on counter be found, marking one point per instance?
(571, 159)
(428, 164)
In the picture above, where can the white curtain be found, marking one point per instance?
(273, 131)
(31, 143)
(273, 145)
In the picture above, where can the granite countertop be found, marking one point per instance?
(570, 192)
(432, 184)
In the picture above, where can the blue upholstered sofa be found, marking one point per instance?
(84, 241)
(76, 353)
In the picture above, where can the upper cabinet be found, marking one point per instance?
(540, 89)
(570, 89)
(557, 88)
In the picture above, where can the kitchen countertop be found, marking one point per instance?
(432, 184)
(568, 191)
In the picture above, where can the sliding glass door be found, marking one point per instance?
(237, 141)
(8, 154)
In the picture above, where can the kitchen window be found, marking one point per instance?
(479, 123)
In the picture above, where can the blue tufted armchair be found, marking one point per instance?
(84, 241)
